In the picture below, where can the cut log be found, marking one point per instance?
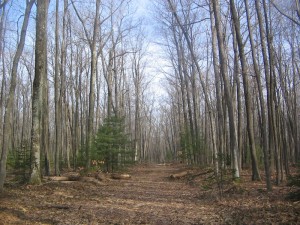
(76, 177)
(120, 176)
(203, 173)
(56, 178)
(179, 175)
(66, 177)
(68, 182)
(193, 176)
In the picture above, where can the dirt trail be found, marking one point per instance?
(149, 197)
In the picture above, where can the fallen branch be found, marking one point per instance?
(193, 176)
(73, 177)
(56, 178)
(68, 182)
(201, 174)
(120, 176)
(179, 175)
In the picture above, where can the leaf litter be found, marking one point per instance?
(149, 197)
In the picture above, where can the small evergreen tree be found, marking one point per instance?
(111, 145)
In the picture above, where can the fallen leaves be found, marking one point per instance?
(147, 196)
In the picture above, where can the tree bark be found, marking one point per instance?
(220, 120)
(57, 98)
(229, 101)
(262, 101)
(249, 112)
(94, 56)
(40, 72)
(195, 61)
(92, 85)
(7, 126)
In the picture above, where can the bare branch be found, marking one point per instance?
(2, 4)
(82, 22)
(284, 14)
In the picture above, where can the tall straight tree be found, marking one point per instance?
(228, 95)
(203, 85)
(2, 34)
(38, 85)
(268, 62)
(7, 126)
(93, 48)
(271, 86)
(57, 97)
(261, 99)
(249, 113)
(59, 86)
(220, 119)
(63, 72)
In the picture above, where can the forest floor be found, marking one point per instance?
(150, 196)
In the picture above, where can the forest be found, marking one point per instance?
(193, 94)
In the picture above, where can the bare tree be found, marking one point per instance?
(250, 129)
(93, 48)
(7, 126)
(2, 4)
(203, 85)
(229, 102)
(57, 98)
(261, 99)
(38, 85)
(297, 4)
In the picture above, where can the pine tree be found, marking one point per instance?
(111, 144)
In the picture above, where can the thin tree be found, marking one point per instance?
(2, 4)
(57, 98)
(291, 18)
(261, 99)
(229, 101)
(249, 113)
(7, 126)
(195, 62)
(93, 48)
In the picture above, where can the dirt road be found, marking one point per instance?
(149, 197)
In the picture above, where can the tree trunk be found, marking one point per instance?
(184, 134)
(249, 112)
(93, 47)
(63, 107)
(40, 72)
(7, 127)
(220, 121)
(92, 85)
(262, 102)
(195, 61)
(45, 134)
(229, 101)
(273, 119)
(57, 98)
